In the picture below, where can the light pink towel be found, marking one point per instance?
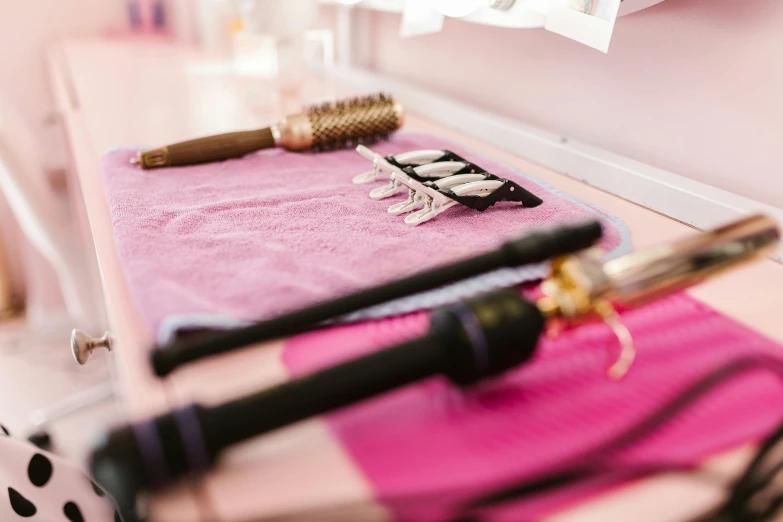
(253, 237)
(435, 443)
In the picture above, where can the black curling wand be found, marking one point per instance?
(467, 342)
(532, 248)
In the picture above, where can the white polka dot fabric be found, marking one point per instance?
(39, 486)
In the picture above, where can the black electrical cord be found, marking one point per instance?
(589, 463)
(757, 495)
(739, 507)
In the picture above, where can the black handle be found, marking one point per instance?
(467, 342)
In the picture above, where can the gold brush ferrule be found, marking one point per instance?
(363, 117)
(399, 112)
(294, 132)
(583, 285)
(152, 159)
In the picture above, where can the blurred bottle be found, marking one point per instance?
(158, 14)
(180, 17)
(134, 15)
(273, 45)
(147, 16)
(214, 22)
(254, 50)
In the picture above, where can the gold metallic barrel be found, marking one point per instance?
(648, 274)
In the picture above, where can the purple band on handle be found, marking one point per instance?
(193, 438)
(478, 341)
(146, 434)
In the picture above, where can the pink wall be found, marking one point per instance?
(691, 86)
(27, 27)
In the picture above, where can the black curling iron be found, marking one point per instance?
(468, 342)
(532, 248)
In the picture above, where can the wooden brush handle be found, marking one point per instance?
(208, 149)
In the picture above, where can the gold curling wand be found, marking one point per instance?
(583, 285)
(345, 123)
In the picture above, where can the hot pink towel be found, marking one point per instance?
(253, 237)
(430, 439)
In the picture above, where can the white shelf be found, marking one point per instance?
(518, 16)
(391, 6)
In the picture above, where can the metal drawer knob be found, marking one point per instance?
(82, 345)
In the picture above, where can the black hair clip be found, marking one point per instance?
(421, 165)
(478, 191)
(384, 166)
(436, 181)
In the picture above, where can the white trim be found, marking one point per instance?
(678, 197)
(631, 6)
(390, 6)
(396, 6)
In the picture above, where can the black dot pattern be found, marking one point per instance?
(39, 471)
(44, 486)
(21, 506)
(72, 512)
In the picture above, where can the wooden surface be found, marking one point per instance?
(151, 92)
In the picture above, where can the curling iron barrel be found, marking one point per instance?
(532, 248)
(580, 281)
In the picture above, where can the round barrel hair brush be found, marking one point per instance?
(333, 125)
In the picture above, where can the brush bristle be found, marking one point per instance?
(348, 123)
